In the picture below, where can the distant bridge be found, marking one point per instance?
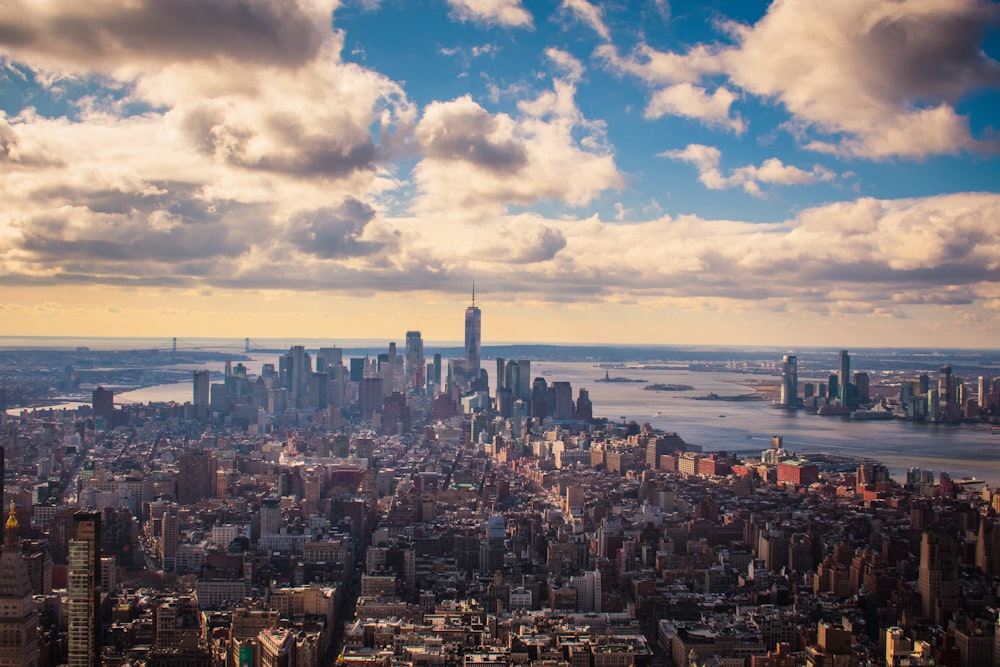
(174, 344)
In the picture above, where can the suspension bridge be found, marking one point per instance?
(179, 344)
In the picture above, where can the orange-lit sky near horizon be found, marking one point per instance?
(650, 172)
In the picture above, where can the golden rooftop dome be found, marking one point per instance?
(12, 523)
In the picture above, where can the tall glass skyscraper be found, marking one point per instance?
(845, 375)
(789, 381)
(414, 361)
(83, 590)
(473, 338)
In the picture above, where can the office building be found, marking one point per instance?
(845, 376)
(414, 367)
(327, 358)
(862, 383)
(83, 593)
(202, 387)
(937, 581)
(3, 457)
(103, 403)
(789, 381)
(946, 386)
(18, 614)
(300, 369)
(196, 473)
(170, 538)
(473, 339)
(270, 516)
(501, 374)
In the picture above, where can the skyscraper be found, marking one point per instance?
(845, 375)
(473, 338)
(202, 387)
(937, 581)
(329, 357)
(83, 593)
(414, 367)
(18, 615)
(945, 385)
(3, 455)
(196, 471)
(103, 403)
(789, 381)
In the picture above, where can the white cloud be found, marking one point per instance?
(589, 14)
(122, 38)
(475, 162)
(872, 80)
(503, 12)
(690, 101)
(884, 76)
(570, 66)
(659, 68)
(772, 170)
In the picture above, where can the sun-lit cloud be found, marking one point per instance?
(690, 101)
(509, 13)
(571, 68)
(883, 76)
(772, 170)
(171, 151)
(589, 14)
(871, 80)
(475, 161)
(122, 37)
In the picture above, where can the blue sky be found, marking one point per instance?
(784, 173)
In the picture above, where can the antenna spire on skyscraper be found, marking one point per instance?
(473, 292)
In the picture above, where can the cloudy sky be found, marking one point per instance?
(636, 171)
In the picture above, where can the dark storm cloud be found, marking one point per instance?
(102, 33)
(332, 233)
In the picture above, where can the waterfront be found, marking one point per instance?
(741, 426)
(749, 425)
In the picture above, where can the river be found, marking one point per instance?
(735, 425)
(749, 425)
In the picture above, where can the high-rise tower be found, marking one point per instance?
(473, 337)
(415, 364)
(946, 387)
(845, 375)
(83, 592)
(202, 387)
(789, 381)
(18, 614)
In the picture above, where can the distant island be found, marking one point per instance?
(608, 378)
(668, 387)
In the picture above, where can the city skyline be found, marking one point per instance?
(673, 173)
